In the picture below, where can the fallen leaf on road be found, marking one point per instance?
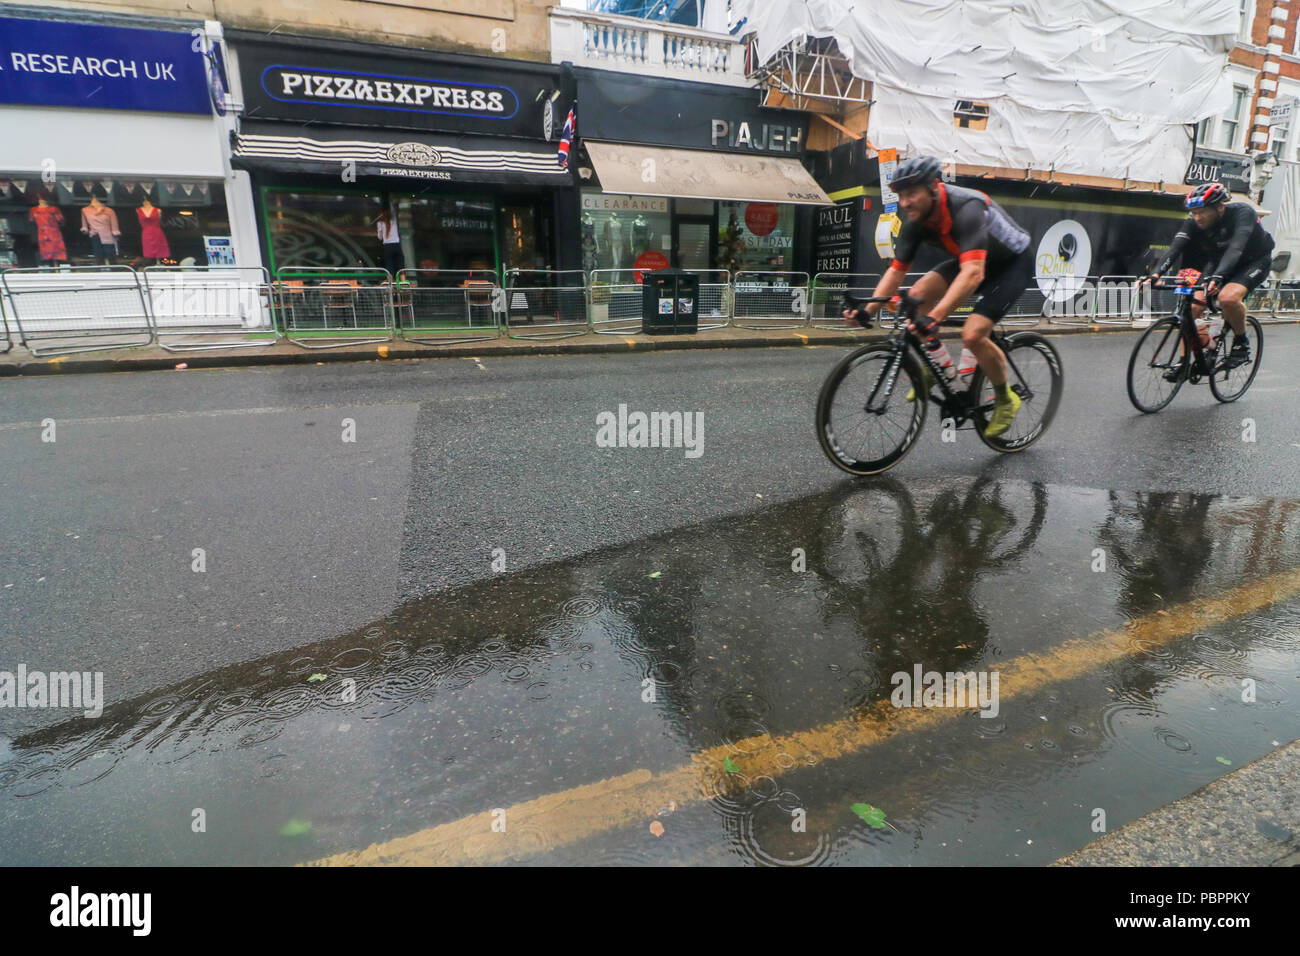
(657, 828)
(729, 766)
(295, 827)
(315, 677)
(873, 816)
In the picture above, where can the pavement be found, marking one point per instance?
(1250, 817)
(20, 361)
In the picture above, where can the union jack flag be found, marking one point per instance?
(566, 138)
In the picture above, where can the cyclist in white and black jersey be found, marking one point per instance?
(990, 258)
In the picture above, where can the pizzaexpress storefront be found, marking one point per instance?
(368, 156)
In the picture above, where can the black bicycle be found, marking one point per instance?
(1170, 353)
(866, 425)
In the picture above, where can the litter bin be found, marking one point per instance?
(670, 300)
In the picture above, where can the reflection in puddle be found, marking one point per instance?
(711, 637)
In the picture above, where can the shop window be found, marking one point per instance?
(146, 222)
(322, 230)
(449, 233)
(625, 232)
(755, 236)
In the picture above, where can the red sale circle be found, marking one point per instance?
(648, 262)
(761, 217)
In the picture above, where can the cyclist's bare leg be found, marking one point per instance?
(975, 336)
(1232, 300)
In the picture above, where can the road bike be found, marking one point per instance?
(1170, 353)
(865, 424)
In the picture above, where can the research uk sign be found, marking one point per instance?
(45, 63)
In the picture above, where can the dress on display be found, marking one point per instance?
(49, 237)
(153, 243)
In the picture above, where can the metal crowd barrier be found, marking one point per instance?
(825, 297)
(211, 301)
(329, 308)
(1150, 304)
(770, 300)
(713, 310)
(1276, 300)
(4, 319)
(1116, 297)
(558, 298)
(447, 306)
(1065, 303)
(94, 308)
(616, 302)
(1286, 299)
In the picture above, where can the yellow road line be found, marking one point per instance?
(564, 818)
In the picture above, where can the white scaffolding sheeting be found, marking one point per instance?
(1096, 87)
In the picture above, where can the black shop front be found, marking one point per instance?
(357, 151)
(693, 175)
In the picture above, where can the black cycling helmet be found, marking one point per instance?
(917, 171)
(1206, 194)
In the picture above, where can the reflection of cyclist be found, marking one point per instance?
(990, 257)
(1225, 240)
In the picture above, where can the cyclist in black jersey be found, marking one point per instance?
(990, 257)
(1229, 246)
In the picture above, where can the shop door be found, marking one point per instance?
(692, 240)
(523, 236)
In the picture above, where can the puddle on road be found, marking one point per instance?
(540, 681)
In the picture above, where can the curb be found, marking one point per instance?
(506, 348)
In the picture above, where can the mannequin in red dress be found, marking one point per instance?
(49, 237)
(153, 244)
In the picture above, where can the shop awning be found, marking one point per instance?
(397, 154)
(701, 174)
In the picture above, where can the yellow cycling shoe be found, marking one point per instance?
(929, 384)
(1004, 413)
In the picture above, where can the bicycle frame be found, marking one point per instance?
(958, 405)
(1194, 354)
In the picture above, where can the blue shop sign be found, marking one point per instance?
(50, 63)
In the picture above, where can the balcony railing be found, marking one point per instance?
(650, 48)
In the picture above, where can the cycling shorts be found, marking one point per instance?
(1250, 274)
(999, 291)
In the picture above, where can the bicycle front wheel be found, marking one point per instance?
(1159, 352)
(1034, 373)
(1228, 385)
(864, 423)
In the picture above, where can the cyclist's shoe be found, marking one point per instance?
(1004, 413)
(1240, 353)
(929, 384)
(1175, 374)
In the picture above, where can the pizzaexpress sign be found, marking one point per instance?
(291, 84)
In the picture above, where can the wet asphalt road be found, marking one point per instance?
(337, 559)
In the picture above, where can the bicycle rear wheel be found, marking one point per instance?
(1034, 373)
(864, 423)
(1158, 352)
(1228, 385)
